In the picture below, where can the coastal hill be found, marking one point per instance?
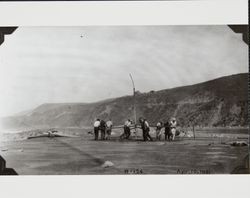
(219, 102)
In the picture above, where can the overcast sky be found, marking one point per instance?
(86, 64)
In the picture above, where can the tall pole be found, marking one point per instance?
(193, 131)
(134, 99)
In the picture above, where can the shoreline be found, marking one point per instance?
(83, 133)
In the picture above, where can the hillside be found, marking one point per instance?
(219, 102)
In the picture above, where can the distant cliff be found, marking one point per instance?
(219, 102)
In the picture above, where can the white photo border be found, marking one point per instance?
(206, 12)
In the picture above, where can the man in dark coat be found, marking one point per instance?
(167, 131)
(145, 129)
(103, 129)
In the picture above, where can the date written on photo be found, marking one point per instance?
(133, 171)
(193, 171)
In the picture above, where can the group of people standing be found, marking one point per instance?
(106, 128)
(169, 129)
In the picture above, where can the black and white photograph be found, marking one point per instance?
(121, 100)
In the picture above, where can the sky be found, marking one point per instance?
(87, 64)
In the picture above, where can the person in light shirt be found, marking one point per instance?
(147, 130)
(159, 126)
(173, 124)
(109, 129)
(96, 128)
(126, 127)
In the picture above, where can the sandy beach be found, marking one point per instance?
(207, 154)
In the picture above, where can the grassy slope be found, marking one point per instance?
(219, 102)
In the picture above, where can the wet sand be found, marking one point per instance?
(79, 156)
